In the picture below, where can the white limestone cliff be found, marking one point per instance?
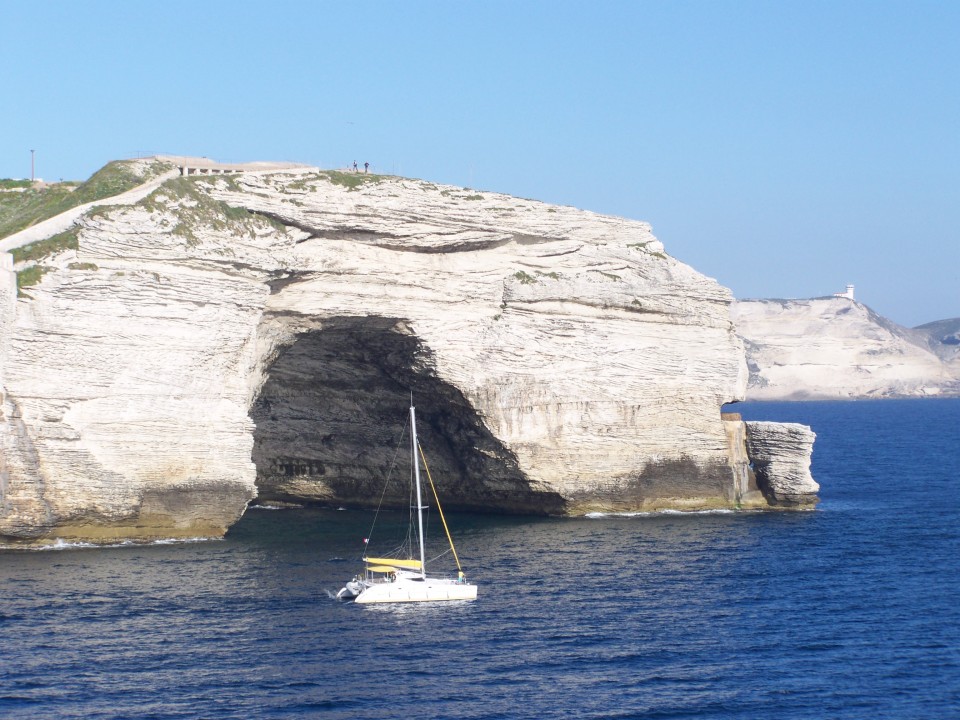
(226, 337)
(834, 347)
(780, 453)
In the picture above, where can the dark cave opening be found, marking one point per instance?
(332, 411)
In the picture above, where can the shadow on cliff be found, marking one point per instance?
(331, 418)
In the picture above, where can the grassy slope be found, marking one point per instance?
(19, 210)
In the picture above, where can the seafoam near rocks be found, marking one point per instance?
(261, 333)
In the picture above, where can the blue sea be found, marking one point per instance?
(850, 611)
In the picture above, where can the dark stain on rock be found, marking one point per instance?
(680, 479)
(333, 414)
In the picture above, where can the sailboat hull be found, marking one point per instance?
(417, 591)
(403, 580)
(351, 590)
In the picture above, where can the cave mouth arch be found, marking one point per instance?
(331, 412)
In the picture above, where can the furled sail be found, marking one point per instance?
(393, 562)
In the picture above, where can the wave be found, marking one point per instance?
(655, 513)
(61, 544)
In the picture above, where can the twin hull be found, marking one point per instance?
(427, 590)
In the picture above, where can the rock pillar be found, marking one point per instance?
(780, 455)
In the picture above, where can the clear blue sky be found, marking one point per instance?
(784, 148)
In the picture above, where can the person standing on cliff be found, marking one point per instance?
(354, 165)
(366, 167)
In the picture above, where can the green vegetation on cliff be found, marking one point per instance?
(35, 252)
(10, 184)
(30, 276)
(201, 210)
(20, 210)
(350, 180)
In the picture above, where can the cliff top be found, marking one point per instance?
(34, 203)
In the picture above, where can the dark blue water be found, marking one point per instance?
(852, 611)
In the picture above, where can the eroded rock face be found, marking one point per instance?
(261, 334)
(780, 454)
(330, 417)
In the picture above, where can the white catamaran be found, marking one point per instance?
(396, 580)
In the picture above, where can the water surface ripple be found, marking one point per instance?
(847, 612)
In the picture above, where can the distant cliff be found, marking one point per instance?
(943, 338)
(259, 333)
(834, 347)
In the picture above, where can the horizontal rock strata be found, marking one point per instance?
(780, 455)
(261, 334)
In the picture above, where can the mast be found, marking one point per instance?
(416, 474)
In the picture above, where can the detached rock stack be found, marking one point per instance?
(780, 454)
(260, 334)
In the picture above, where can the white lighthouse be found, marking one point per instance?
(848, 294)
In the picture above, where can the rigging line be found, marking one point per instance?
(439, 508)
(393, 465)
(437, 557)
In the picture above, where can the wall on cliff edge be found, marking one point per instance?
(260, 334)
